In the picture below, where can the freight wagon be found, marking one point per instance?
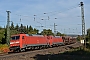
(69, 40)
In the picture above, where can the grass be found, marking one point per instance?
(77, 54)
(80, 52)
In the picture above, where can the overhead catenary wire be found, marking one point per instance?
(45, 15)
(41, 15)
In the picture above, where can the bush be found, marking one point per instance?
(4, 48)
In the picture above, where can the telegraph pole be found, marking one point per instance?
(83, 22)
(8, 28)
(55, 29)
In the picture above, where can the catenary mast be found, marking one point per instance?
(83, 21)
(8, 28)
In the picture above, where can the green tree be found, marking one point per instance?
(30, 30)
(27, 29)
(0, 27)
(58, 34)
(21, 29)
(79, 38)
(12, 26)
(4, 38)
(88, 38)
(15, 30)
(36, 31)
(24, 29)
(88, 34)
(2, 32)
(16, 27)
(47, 32)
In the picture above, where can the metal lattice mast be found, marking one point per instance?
(55, 29)
(83, 22)
(8, 28)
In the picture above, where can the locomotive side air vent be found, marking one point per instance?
(34, 35)
(57, 36)
(28, 34)
(37, 35)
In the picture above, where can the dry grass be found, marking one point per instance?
(4, 48)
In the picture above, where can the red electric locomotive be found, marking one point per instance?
(57, 40)
(21, 42)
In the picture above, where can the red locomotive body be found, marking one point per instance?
(34, 40)
(15, 42)
(57, 40)
(23, 41)
(50, 40)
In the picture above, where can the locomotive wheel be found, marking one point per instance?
(23, 50)
(18, 50)
(50, 46)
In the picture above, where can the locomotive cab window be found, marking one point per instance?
(15, 37)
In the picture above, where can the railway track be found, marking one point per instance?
(30, 54)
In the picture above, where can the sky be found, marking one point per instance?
(66, 14)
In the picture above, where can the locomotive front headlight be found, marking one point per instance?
(11, 42)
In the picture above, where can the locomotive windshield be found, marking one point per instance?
(15, 37)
